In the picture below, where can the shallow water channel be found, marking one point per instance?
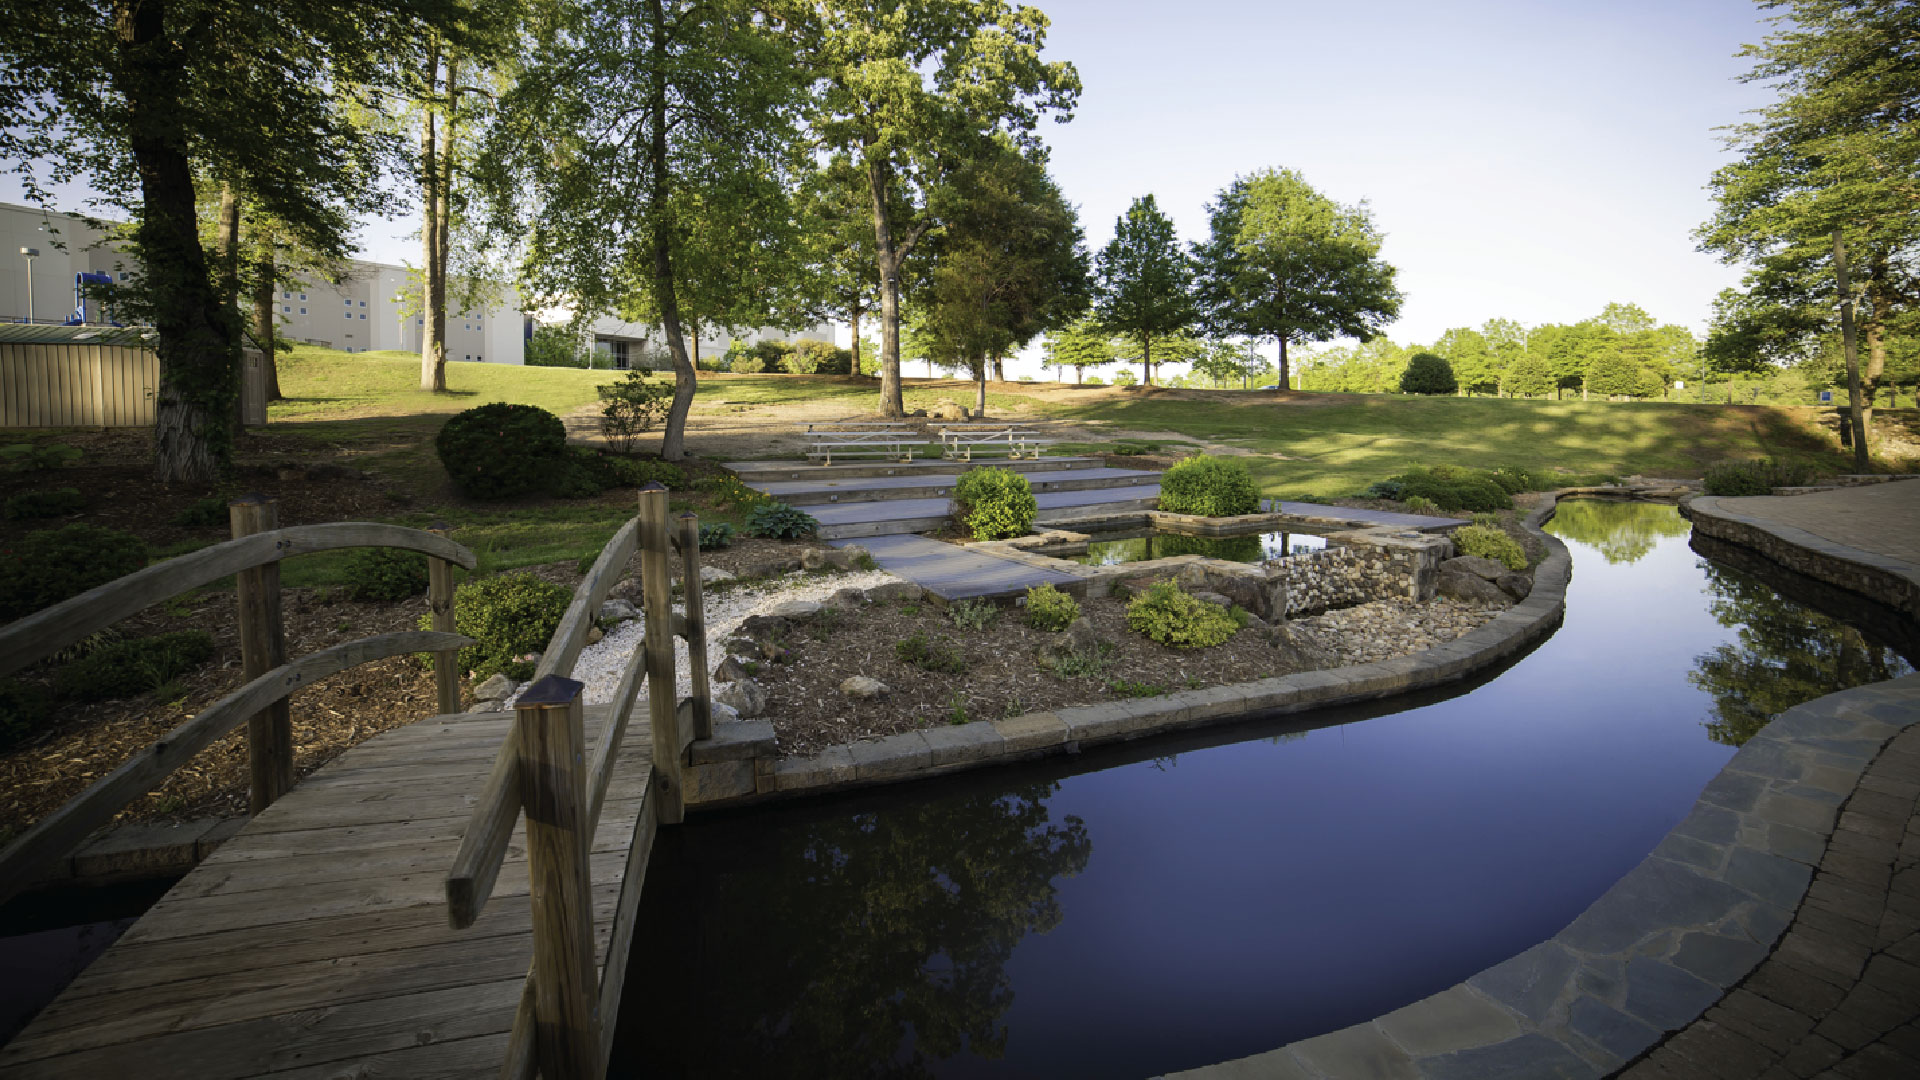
(1193, 898)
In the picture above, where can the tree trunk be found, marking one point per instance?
(1285, 376)
(264, 283)
(227, 244)
(999, 369)
(853, 313)
(1850, 348)
(892, 401)
(198, 338)
(673, 439)
(1146, 360)
(433, 225)
(1079, 375)
(980, 388)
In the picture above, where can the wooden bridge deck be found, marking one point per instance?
(316, 943)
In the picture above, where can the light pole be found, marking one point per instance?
(31, 253)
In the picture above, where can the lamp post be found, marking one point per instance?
(31, 254)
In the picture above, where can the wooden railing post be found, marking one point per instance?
(552, 778)
(263, 647)
(656, 584)
(696, 625)
(446, 674)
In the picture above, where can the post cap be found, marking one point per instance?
(552, 690)
(252, 498)
(653, 485)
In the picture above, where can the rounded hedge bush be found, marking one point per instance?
(1490, 543)
(1428, 373)
(498, 451)
(1209, 487)
(384, 573)
(1454, 488)
(50, 565)
(508, 616)
(993, 504)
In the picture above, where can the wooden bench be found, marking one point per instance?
(963, 441)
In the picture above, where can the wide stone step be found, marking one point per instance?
(894, 488)
(891, 518)
(757, 472)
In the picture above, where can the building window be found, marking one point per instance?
(284, 309)
(349, 303)
(303, 311)
(363, 316)
(303, 296)
(363, 303)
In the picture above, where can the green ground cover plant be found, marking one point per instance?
(44, 503)
(1490, 543)
(1451, 487)
(1174, 617)
(1756, 477)
(930, 654)
(778, 521)
(134, 666)
(1050, 609)
(508, 616)
(50, 565)
(384, 573)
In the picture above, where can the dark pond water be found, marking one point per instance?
(1108, 549)
(1201, 897)
(48, 937)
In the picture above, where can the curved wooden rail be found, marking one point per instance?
(44, 633)
(59, 832)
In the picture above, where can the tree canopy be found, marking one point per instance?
(1145, 284)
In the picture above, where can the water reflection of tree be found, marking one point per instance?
(868, 945)
(1787, 654)
(1623, 532)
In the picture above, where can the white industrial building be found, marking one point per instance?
(51, 266)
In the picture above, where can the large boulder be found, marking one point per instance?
(744, 696)
(813, 559)
(851, 557)
(894, 590)
(795, 610)
(1515, 584)
(1471, 588)
(1483, 568)
(618, 610)
(769, 565)
(862, 687)
(850, 599)
(1298, 650)
(947, 409)
(1078, 639)
(497, 688)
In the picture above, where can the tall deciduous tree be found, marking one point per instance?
(1288, 263)
(1144, 290)
(1079, 345)
(138, 96)
(909, 89)
(1839, 150)
(649, 153)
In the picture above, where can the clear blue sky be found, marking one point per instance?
(1532, 161)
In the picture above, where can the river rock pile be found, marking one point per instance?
(1385, 629)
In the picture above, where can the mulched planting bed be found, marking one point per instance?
(1002, 675)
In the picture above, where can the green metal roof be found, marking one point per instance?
(44, 334)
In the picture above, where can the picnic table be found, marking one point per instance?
(963, 441)
(886, 439)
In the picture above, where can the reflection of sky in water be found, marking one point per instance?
(1234, 897)
(1251, 548)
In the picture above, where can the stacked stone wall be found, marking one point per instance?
(1360, 569)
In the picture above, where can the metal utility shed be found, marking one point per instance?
(94, 376)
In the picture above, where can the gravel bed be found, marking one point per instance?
(602, 664)
(1385, 629)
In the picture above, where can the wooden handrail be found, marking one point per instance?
(563, 649)
(45, 633)
(58, 833)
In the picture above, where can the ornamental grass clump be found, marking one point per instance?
(993, 504)
(1208, 486)
(1050, 609)
(509, 617)
(1489, 543)
(1173, 617)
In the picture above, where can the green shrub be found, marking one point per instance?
(50, 565)
(498, 451)
(930, 654)
(1487, 521)
(1490, 544)
(1210, 487)
(1454, 488)
(716, 536)
(747, 364)
(1124, 377)
(38, 457)
(993, 504)
(53, 502)
(557, 346)
(1428, 373)
(1384, 489)
(1514, 479)
(631, 407)
(1172, 617)
(818, 358)
(508, 616)
(384, 573)
(974, 615)
(778, 521)
(1050, 609)
(206, 513)
(1420, 504)
(580, 473)
(639, 472)
(1757, 477)
(23, 707)
(134, 666)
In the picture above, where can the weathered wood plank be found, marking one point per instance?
(263, 647)
(44, 633)
(60, 831)
(563, 649)
(668, 788)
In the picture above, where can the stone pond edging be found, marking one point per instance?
(1887, 580)
(738, 765)
(1661, 946)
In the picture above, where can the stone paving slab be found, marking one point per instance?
(953, 572)
(852, 487)
(1865, 539)
(1353, 515)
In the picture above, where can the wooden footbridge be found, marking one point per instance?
(452, 898)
